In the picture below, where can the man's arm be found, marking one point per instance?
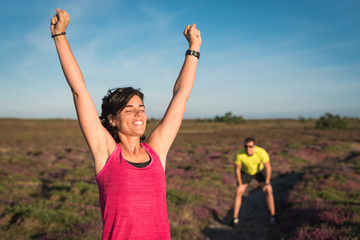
(238, 173)
(268, 172)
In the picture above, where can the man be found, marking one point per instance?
(252, 162)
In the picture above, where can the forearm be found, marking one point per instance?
(186, 78)
(69, 65)
(268, 173)
(239, 178)
(164, 134)
(238, 174)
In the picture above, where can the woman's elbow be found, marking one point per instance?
(75, 94)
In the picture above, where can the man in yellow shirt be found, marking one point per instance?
(252, 162)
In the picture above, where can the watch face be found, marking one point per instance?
(196, 54)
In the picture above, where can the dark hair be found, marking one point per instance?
(113, 103)
(249, 139)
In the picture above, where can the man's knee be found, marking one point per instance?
(268, 190)
(240, 190)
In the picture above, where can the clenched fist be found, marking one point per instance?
(192, 35)
(59, 22)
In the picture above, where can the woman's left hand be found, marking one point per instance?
(192, 35)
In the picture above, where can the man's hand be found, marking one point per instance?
(59, 22)
(192, 35)
(266, 187)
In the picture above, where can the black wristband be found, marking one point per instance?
(59, 34)
(193, 53)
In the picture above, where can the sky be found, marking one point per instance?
(259, 59)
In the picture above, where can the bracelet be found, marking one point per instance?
(193, 53)
(267, 184)
(59, 34)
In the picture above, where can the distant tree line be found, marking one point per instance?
(327, 121)
(227, 118)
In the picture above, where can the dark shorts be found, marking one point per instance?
(260, 177)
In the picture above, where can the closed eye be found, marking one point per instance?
(134, 108)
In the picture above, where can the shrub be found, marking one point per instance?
(229, 118)
(329, 121)
(302, 119)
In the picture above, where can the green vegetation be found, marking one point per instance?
(329, 121)
(227, 118)
(302, 119)
(295, 145)
(178, 197)
(299, 160)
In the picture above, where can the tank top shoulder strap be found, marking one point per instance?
(116, 152)
(147, 147)
(117, 147)
(150, 150)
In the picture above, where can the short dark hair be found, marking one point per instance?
(114, 102)
(249, 139)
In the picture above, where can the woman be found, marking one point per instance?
(130, 174)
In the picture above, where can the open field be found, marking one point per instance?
(48, 189)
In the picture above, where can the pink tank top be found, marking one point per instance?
(133, 200)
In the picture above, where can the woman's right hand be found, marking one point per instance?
(59, 22)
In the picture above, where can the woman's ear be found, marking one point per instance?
(111, 120)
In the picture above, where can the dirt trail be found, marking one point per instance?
(254, 214)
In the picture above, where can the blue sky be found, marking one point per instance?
(259, 59)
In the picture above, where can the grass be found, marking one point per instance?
(48, 189)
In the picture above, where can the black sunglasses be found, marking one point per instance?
(249, 146)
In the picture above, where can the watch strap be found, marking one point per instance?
(193, 53)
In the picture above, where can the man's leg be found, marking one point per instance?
(269, 198)
(239, 193)
(267, 189)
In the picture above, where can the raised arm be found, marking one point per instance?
(164, 134)
(98, 139)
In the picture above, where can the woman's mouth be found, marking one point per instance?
(138, 123)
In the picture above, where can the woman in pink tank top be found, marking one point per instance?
(130, 173)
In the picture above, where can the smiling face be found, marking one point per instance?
(131, 121)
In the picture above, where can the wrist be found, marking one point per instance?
(53, 35)
(194, 47)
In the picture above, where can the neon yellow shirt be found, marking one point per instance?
(254, 163)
